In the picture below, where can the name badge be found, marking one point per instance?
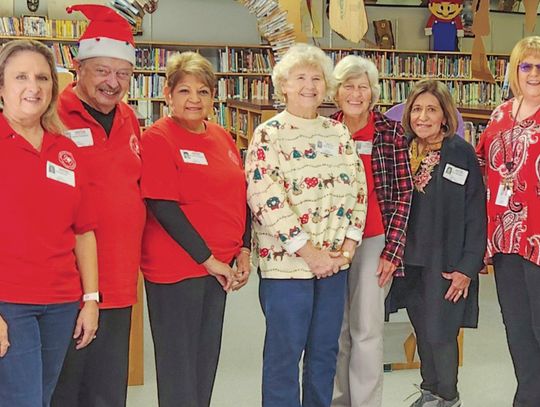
(81, 137)
(326, 148)
(364, 147)
(503, 196)
(455, 174)
(193, 157)
(60, 174)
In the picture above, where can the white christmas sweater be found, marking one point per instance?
(305, 182)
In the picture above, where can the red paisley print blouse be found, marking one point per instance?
(509, 152)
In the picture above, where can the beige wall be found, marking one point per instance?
(221, 21)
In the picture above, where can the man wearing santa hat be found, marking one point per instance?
(107, 133)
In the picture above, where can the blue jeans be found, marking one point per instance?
(39, 336)
(302, 316)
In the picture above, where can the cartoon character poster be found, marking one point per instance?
(445, 24)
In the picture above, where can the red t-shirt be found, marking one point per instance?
(45, 203)
(203, 173)
(364, 145)
(513, 227)
(114, 167)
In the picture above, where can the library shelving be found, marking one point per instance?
(244, 90)
(243, 116)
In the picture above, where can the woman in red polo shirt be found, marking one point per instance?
(47, 231)
(193, 183)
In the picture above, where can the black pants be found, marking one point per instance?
(97, 376)
(187, 321)
(438, 361)
(518, 289)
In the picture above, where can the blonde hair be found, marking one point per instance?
(49, 120)
(301, 55)
(441, 92)
(189, 63)
(529, 46)
(354, 66)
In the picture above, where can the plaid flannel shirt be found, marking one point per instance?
(393, 184)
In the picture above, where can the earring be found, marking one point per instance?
(444, 128)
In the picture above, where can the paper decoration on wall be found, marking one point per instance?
(273, 24)
(32, 5)
(479, 63)
(531, 7)
(445, 24)
(348, 18)
(311, 12)
(383, 34)
(294, 17)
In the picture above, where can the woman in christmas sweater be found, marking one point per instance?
(306, 189)
(509, 151)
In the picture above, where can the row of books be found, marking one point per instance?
(146, 86)
(149, 112)
(244, 60)
(273, 24)
(464, 93)
(243, 88)
(402, 65)
(64, 53)
(40, 26)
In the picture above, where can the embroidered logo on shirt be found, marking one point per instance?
(67, 160)
(134, 144)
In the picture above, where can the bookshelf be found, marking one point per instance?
(244, 89)
(243, 116)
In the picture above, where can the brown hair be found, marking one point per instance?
(440, 91)
(49, 120)
(190, 63)
(529, 46)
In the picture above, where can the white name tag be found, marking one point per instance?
(60, 174)
(503, 196)
(324, 147)
(364, 147)
(193, 157)
(455, 174)
(81, 137)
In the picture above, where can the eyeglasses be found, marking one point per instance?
(527, 67)
(103, 72)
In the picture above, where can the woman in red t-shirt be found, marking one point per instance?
(383, 149)
(47, 231)
(197, 226)
(509, 151)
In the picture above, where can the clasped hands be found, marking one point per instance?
(229, 278)
(325, 263)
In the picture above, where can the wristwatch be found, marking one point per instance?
(96, 296)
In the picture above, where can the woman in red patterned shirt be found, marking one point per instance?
(509, 151)
(383, 149)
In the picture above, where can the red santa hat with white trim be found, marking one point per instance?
(108, 34)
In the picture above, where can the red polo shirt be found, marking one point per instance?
(44, 204)
(114, 168)
(203, 173)
(364, 145)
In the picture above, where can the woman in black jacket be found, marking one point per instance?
(446, 239)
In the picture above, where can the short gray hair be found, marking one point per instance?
(301, 55)
(353, 66)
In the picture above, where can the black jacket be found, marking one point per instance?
(457, 236)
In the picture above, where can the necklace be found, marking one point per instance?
(509, 164)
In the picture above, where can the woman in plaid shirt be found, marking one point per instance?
(382, 147)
